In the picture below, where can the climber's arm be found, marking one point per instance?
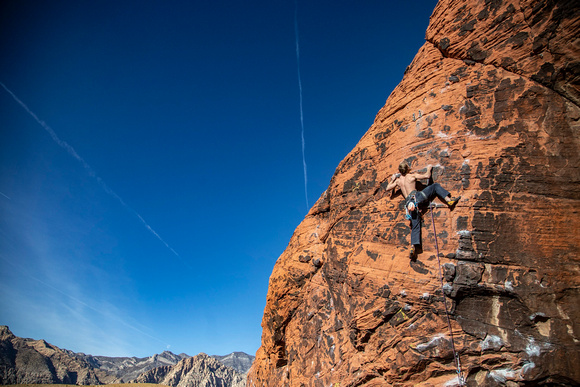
(425, 175)
(392, 184)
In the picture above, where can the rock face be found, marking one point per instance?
(198, 371)
(27, 361)
(239, 361)
(492, 99)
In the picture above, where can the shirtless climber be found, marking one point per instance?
(406, 181)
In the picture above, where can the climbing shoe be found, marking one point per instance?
(412, 252)
(453, 201)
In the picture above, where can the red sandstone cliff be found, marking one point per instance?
(492, 99)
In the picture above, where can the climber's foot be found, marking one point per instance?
(412, 252)
(453, 201)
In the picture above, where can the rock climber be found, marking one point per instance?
(406, 181)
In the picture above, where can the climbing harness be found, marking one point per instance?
(455, 354)
(413, 198)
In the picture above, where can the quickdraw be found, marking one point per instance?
(407, 213)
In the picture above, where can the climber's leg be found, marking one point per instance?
(415, 228)
(435, 189)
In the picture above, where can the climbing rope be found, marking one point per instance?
(455, 354)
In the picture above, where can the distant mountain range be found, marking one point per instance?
(126, 369)
(28, 361)
(200, 370)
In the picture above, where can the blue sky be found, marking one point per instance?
(153, 173)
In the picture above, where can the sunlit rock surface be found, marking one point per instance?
(492, 99)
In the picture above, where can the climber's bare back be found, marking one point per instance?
(407, 183)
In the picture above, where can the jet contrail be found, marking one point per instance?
(71, 151)
(301, 110)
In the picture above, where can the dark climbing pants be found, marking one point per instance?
(423, 198)
(415, 227)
